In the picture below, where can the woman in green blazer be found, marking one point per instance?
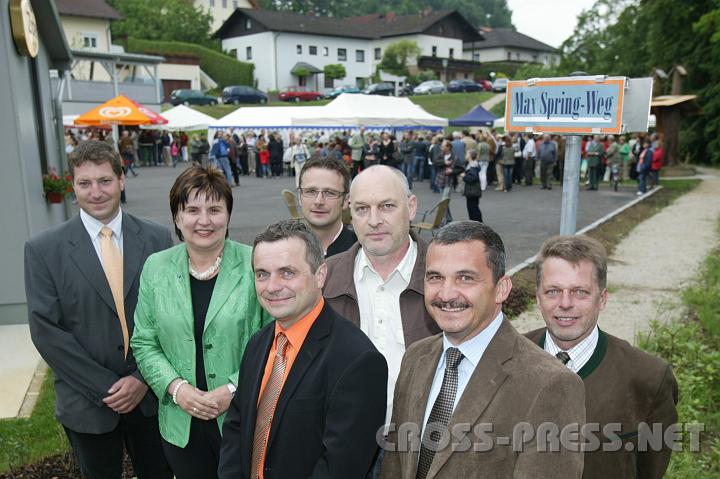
(196, 311)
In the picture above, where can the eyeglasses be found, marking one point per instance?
(327, 194)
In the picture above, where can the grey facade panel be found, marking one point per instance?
(29, 135)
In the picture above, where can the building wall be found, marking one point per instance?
(174, 71)
(502, 54)
(284, 47)
(221, 9)
(28, 136)
(76, 28)
(263, 54)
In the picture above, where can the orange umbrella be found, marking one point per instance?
(120, 111)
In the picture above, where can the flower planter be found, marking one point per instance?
(53, 197)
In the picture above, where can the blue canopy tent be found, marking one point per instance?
(478, 116)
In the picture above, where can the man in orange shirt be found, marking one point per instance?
(312, 386)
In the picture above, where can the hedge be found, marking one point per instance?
(222, 68)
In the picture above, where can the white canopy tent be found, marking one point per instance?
(269, 117)
(350, 111)
(183, 118)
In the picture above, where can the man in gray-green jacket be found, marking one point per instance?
(630, 396)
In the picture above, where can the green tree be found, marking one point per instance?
(334, 71)
(493, 13)
(396, 56)
(166, 20)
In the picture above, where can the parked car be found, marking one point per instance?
(500, 84)
(243, 94)
(463, 86)
(191, 97)
(487, 86)
(382, 88)
(299, 93)
(429, 87)
(342, 89)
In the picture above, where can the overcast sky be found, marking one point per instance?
(550, 21)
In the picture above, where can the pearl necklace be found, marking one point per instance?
(208, 273)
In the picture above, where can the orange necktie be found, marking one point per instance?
(113, 265)
(266, 407)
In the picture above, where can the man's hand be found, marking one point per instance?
(221, 395)
(197, 403)
(125, 394)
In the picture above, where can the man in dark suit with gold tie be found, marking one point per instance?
(81, 282)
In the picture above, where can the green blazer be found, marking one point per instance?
(164, 341)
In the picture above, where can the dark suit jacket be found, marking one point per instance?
(73, 320)
(626, 386)
(330, 408)
(341, 294)
(511, 384)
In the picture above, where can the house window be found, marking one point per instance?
(90, 40)
(248, 24)
(535, 58)
(342, 54)
(476, 56)
(509, 55)
(360, 56)
(224, 3)
(212, 3)
(434, 51)
(248, 53)
(517, 56)
(312, 50)
(235, 4)
(452, 53)
(378, 54)
(326, 51)
(298, 48)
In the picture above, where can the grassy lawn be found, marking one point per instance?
(447, 105)
(498, 110)
(26, 440)
(692, 345)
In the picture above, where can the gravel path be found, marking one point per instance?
(655, 262)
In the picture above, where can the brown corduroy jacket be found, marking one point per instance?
(514, 388)
(628, 387)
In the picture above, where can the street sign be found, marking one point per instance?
(577, 105)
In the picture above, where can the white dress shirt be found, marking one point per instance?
(472, 351)
(579, 354)
(93, 227)
(379, 305)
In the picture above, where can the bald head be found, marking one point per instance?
(382, 207)
(382, 172)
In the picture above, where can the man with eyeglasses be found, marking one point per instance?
(324, 183)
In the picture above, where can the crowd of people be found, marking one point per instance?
(329, 351)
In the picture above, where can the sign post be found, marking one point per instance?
(573, 106)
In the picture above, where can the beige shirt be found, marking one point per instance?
(379, 304)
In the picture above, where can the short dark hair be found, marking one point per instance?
(287, 229)
(96, 151)
(458, 231)
(574, 250)
(208, 180)
(328, 163)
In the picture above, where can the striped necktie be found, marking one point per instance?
(563, 356)
(266, 407)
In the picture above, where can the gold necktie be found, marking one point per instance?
(266, 407)
(113, 265)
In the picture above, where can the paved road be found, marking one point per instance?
(524, 217)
